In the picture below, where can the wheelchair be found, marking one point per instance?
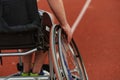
(65, 61)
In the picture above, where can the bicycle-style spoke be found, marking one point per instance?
(72, 60)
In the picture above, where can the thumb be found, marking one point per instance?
(69, 37)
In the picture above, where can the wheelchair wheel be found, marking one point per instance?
(59, 74)
(71, 59)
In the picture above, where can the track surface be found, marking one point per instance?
(97, 37)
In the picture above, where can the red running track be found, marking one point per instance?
(97, 37)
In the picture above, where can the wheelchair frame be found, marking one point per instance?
(55, 73)
(46, 23)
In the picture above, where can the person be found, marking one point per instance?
(58, 9)
(15, 14)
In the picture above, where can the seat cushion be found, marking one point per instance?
(18, 41)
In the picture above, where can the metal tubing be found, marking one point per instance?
(19, 53)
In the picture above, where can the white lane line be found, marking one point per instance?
(80, 16)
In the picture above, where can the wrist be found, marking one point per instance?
(65, 25)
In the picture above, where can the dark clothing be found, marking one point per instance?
(15, 12)
(21, 17)
(18, 15)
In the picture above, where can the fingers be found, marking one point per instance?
(69, 37)
(68, 32)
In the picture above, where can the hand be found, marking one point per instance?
(68, 32)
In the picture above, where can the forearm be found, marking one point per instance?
(58, 10)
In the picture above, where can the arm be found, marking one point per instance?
(58, 9)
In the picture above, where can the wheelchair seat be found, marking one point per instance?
(20, 26)
(23, 26)
(18, 40)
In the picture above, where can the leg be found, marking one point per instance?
(27, 60)
(40, 57)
